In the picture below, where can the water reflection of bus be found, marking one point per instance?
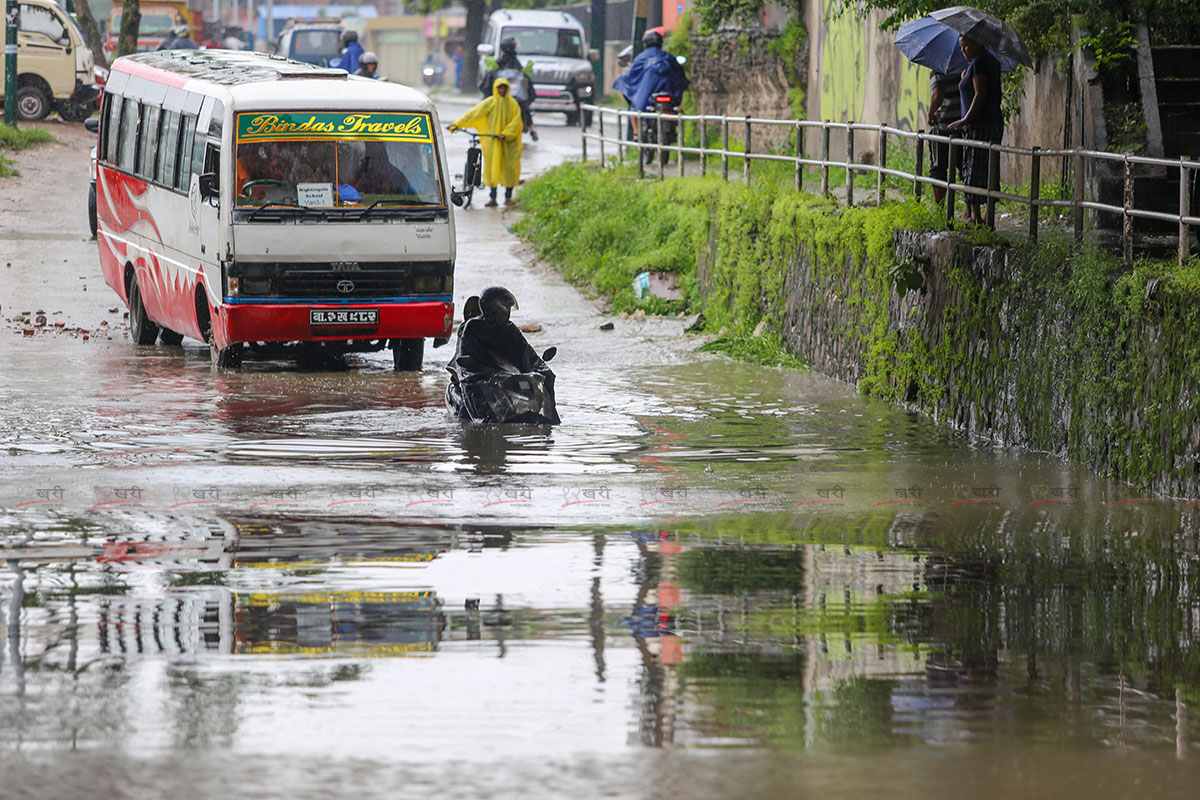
(345, 623)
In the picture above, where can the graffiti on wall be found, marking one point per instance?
(847, 44)
(843, 64)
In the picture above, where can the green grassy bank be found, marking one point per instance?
(1047, 346)
(12, 139)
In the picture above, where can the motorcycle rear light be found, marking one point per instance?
(662, 98)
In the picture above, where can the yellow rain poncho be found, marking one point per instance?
(496, 114)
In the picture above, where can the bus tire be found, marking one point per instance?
(226, 357)
(141, 329)
(93, 224)
(169, 337)
(408, 354)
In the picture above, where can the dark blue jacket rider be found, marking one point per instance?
(654, 71)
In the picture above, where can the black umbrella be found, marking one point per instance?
(990, 32)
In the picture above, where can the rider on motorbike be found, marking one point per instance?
(654, 71)
(509, 66)
(492, 341)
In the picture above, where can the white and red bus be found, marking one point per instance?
(247, 199)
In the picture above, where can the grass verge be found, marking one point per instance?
(13, 139)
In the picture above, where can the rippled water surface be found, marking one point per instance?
(713, 580)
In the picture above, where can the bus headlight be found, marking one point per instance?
(258, 286)
(427, 284)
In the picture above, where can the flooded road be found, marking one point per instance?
(712, 580)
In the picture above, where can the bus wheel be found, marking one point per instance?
(228, 357)
(141, 329)
(92, 222)
(170, 338)
(408, 354)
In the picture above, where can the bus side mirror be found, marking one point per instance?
(209, 188)
(485, 49)
(92, 124)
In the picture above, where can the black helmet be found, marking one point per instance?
(494, 296)
(652, 39)
(508, 45)
(349, 36)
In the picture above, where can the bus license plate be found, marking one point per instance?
(343, 316)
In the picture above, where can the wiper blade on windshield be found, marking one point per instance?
(250, 217)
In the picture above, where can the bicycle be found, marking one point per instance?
(472, 174)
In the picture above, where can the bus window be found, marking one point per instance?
(150, 137)
(198, 155)
(183, 175)
(168, 148)
(396, 167)
(112, 127)
(129, 134)
(217, 124)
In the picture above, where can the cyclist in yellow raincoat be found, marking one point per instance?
(499, 116)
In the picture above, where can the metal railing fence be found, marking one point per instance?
(1081, 163)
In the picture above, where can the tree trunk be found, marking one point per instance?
(472, 34)
(131, 22)
(91, 32)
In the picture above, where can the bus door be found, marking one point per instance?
(204, 227)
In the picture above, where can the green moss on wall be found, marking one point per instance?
(1045, 346)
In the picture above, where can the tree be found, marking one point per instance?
(131, 22)
(91, 32)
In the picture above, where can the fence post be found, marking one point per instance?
(824, 159)
(1126, 220)
(799, 155)
(724, 148)
(849, 160)
(1077, 195)
(703, 146)
(879, 177)
(621, 126)
(920, 168)
(1035, 190)
(951, 169)
(583, 142)
(993, 184)
(679, 131)
(600, 126)
(641, 133)
(1185, 208)
(659, 147)
(746, 160)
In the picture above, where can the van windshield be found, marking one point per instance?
(559, 42)
(154, 23)
(337, 160)
(316, 46)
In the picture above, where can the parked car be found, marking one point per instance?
(562, 63)
(54, 66)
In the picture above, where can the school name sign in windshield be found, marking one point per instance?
(311, 126)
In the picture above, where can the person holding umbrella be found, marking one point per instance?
(982, 119)
(954, 41)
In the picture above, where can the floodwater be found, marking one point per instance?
(712, 580)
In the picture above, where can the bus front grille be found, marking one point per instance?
(324, 283)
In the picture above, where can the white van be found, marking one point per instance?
(55, 68)
(243, 198)
(562, 63)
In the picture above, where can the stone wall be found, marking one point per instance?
(733, 73)
(1084, 363)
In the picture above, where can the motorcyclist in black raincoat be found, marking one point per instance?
(490, 344)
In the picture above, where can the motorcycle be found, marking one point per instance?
(508, 396)
(648, 126)
(433, 73)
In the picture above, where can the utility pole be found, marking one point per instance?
(640, 7)
(12, 21)
(599, 37)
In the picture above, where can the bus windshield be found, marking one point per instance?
(337, 160)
